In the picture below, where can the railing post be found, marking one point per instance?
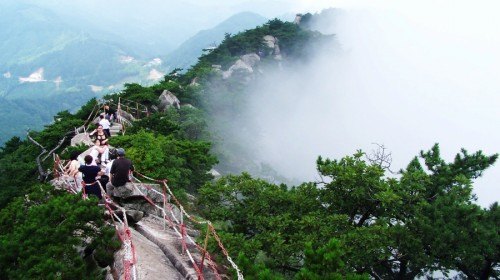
(164, 211)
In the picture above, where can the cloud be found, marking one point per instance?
(401, 80)
(34, 77)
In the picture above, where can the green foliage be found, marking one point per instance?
(325, 263)
(256, 270)
(263, 217)
(144, 95)
(389, 228)
(185, 123)
(17, 169)
(184, 163)
(40, 234)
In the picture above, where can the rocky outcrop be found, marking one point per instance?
(133, 216)
(130, 197)
(194, 82)
(298, 19)
(133, 190)
(168, 241)
(272, 43)
(215, 173)
(125, 117)
(61, 183)
(153, 264)
(245, 64)
(81, 138)
(167, 100)
(188, 106)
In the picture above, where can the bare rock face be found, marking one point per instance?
(125, 116)
(188, 106)
(215, 173)
(168, 241)
(194, 82)
(244, 64)
(59, 183)
(272, 43)
(152, 263)
(250, 59)
(81, 138)
(131, 198)
(133, 190)
(298, 19)
(167, 100)
(133, 216)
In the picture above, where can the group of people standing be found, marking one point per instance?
(100, 166)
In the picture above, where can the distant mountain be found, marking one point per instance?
(188, 52)
(50, 63)
(43, 54)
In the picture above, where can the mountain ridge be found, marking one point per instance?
(189, 51)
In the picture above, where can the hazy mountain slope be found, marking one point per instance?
(34, 38)
(187, 53)
(50, 63)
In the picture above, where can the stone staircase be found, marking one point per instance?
(115, 129)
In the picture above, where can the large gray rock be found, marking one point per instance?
(133, 190)
(250, 59)
(215, 173)
(61, 183)
(167, 100)
(125, 116)
(244, 64)
(81, 138)
(133, 216)
(152, 264)
(168, 241)
(272, 43)
(141, 205)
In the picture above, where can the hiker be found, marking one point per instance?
(100, 154)
(107, 169)
(90, 172)
(111, 159)
(110, 113)
(120, 171)
(99, 135)
(105, 126)
(71, 168)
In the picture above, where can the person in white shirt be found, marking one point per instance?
(105, 126)
(111, 159)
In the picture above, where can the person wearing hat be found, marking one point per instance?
(119, 172)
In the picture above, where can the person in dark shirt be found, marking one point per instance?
(120, 171)
(90, 172)
(110, 113)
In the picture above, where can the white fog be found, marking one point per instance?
(404, 80)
